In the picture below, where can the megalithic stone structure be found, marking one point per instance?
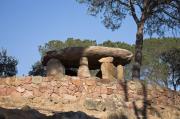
(109, 60)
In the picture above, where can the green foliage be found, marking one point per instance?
(172, 58)
(7, 64)
(51, 45)
(37, 69)
(118, 44)
(152, 67)
(70, 42)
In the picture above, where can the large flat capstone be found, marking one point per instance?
(70, 57)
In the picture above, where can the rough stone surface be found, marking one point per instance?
(106, 59)
(109, 71)
(91, 104)
(83, 70)
(120, 72)
(71, 56)
(88, 95)
(55, 68)
(20, 89)
(37, 80)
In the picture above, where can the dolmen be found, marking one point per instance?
(109, 61)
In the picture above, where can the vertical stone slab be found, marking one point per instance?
(55, 68)
(83, 70)
(120, 72)
(108, 69)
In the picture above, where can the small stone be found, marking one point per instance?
(3, 91)
(106, 59)
(36, 92)
(43, 89)
(74, 78)
(27, 80)
(62, 90)
(36, 79)
(139, 104)
(91, 82)
(90, 104)
(28, 94)
(101, 106)
(20, 89)
(109, 91)
(28, 87)
(72, 88)
(78, 94)
(77, 82)
(18, 82)
(103, 90)
(10, 90)
(69, 97)
(15, 94)
(46, 95)
(103, 96)
(64, 83)
(56, 98)
(26, 108)
(53, 83)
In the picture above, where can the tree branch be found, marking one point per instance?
(133, 12)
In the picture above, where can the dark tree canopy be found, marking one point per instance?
(150, 16)
(37, 70)
(7, 64)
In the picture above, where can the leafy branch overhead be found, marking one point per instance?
(157, 15)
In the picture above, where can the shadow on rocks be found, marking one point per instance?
(71, 115)
(28, 113)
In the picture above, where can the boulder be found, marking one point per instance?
(55, 68)
(106, 59)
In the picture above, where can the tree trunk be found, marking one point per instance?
(138, 52)
(173, 82)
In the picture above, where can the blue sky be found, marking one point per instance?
(26, 24)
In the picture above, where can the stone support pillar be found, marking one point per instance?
(55, 68)
(83, 70)
(108, 69)
(120, 72)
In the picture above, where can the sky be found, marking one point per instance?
(26, 24)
